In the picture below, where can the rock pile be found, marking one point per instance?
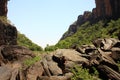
(104, 10)
(12, 59)
(103, 55)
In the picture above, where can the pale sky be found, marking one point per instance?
(45, 21)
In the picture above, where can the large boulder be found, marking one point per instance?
(107, 43)
(68, 58)
(70, 55)
(10, 71)
(67, 76)
(35, 71)
(107, 72)
(15, 53)
(86, 49)
(12, 62)
(5, 73)
(51, 67)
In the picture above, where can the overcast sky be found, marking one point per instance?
(45, 21)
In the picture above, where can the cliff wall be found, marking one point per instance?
(105, 9)
(3, 7)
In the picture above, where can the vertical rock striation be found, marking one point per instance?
(3, 8)
(107, 9)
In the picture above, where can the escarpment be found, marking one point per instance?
(104, 10)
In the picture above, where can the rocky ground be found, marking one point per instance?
(57, 65)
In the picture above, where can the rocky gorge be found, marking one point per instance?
(20, 63)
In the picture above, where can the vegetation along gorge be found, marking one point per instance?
(89, 50)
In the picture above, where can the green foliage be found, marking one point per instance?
(87, 32)
(67, 43)
(24, 41)
(118, 63)
(4, 20)
(50, 48)
(83, 74)
(30, 62)
(38, 52)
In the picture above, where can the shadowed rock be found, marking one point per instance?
(8, 34)
(3, 7)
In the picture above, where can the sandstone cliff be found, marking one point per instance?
(3, 7)
(105, 9)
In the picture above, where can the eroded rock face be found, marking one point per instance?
(3, 7)
(8, 34)
(35, 71)
(12, 62)
(107, 8)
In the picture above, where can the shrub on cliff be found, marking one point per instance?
(4, 20)
(87, 32)
(83, 74)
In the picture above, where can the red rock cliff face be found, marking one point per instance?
(3, 7)
(107, 9)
